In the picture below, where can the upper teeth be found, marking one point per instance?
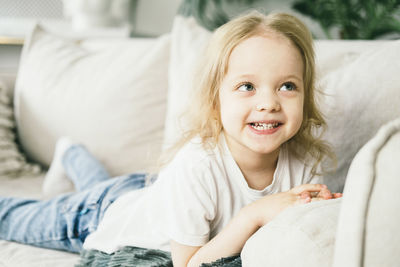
(264, 126)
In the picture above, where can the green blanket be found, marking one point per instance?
(141, 257)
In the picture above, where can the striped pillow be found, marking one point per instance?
(12, 162)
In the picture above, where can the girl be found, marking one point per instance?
(249, 154)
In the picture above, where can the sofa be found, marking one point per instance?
(122, 99)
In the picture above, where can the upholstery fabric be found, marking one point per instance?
(361, 93)
(18, 255)
(301, 236)
(368, 222)
(188, 39)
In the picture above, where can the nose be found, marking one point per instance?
(267, 102)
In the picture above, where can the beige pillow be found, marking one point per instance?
(188, 40)
(112, 98)
(299, 236)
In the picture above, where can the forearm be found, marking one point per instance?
(228, 242)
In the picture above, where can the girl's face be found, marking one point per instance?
(261, 96)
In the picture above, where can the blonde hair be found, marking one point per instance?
(204, 115)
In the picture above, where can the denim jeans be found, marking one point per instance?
(65, 221)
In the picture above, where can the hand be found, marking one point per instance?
(324, 194)
(265, 209)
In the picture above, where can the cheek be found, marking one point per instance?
(295, 111)
(230, 112)
(299, 119)
(226, 113)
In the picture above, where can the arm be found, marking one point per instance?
(232, 238)
(181, 254)
(228, 242)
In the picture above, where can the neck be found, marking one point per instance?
(258, 169)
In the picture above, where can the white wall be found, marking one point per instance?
(9, 58)
(155, 17)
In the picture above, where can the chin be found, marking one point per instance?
(265, 150)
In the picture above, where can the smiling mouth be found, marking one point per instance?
(260, 126)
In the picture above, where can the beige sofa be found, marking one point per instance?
(121, 98)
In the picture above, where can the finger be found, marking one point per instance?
(304, 200)
(308, 187)
(325, 194)
(305, 195)
(337, 195)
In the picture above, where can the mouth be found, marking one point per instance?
(263, 126)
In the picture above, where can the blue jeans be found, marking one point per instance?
(65, 221)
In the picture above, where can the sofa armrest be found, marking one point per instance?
(368, 222)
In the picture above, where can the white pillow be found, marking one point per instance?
(299, 236)
(362, 94)
(188, 40)
(112, 99)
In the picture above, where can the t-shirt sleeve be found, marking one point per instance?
(188, 204)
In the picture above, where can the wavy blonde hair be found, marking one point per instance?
(203, 117)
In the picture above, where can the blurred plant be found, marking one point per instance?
(209, 13)
(355, 19)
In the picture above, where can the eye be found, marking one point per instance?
(288, 86)
(246, 87)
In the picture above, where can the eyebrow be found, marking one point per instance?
(291, 76)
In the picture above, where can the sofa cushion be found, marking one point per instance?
(14, 254)
(369, 219)
(188, 40)
(360, 95)
(110, 98)
(299, 236)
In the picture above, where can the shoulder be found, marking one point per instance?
(192, 161)
(194, 150)
(195, 155)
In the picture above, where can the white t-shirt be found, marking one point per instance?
(194, 197)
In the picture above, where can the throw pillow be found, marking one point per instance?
(188, 39)
(300, 236)
(12, 162)
(111, 98)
